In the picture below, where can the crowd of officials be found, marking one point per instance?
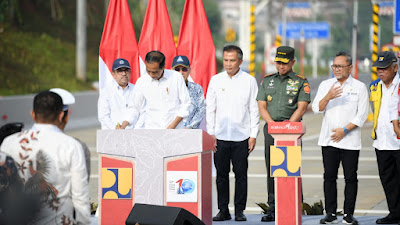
(54, 168)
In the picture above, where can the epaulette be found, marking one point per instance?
(375, 82)
(269, 75)
(301, 76)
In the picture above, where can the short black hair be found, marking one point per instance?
(231, 48)
(349, 59)
(47, 106)
(156, 56)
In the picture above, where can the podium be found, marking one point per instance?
(285, 158)
(158, 167)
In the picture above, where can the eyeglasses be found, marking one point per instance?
(121, 71)
(183, 69)
(339, 67)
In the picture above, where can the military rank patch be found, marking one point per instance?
(307, 89)
(301, 77)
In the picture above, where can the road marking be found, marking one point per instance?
(319, 176)
(231, 175)
(360, 211)
(313, 158)
(312, 148)
(310, 137)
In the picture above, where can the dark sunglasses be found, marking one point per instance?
(184, 69)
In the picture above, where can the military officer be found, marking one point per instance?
(282, 96)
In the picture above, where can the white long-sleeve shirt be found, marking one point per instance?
(163, 100)
(231, 107)
(386, 139)
(64, 159)
(115, 106)
(350, 107)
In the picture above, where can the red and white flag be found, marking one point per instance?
(195, 41)
(118, 41)
(156, 33)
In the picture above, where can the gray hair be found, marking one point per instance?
(349, 59)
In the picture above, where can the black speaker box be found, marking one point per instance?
(144, 214)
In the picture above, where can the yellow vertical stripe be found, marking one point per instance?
(375, 38)
(252, 65)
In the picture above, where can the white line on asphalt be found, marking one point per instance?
(252, 175)
(310, 137)
(360, 211)
(312, 148)
(231, 175)
(313, 158)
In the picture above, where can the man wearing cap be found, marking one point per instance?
(344, 102)
(385, 98)
(69, 99)
(197, 109)
(163, 94)
(52, 164)
(233, 122)
(115, 100)
(282, 96)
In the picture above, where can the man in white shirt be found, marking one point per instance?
(344, 102)
(163, 93)
(115, 100)
(51, 163)
(385, 99)
(69, 99)
(232, 120)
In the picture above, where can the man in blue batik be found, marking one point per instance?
(198, 107)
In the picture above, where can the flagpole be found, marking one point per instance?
(81, 40)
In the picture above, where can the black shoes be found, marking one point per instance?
(239, 216)
(223, 215)
(349, 219)
(389, 219)
(269, 217)
(329, 219)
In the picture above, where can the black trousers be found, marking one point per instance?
(389, 173)
(332, 157)
(237, 152)
(269, 141)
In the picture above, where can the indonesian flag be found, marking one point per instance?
(118, 41)
(195, 42)
(156, 33)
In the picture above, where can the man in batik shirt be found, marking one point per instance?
(198, 107)
(51, 164)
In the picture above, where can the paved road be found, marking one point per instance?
(370, 200)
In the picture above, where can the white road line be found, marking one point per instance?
(360, 211)
(319, 176)
(310, 137)
(312, 148)
(313, 158)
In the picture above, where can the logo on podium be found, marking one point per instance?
(285, 161)
(116, 183)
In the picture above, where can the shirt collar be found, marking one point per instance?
(116, 85)
(394, 81)
(165, 76)
(238, 74)
(43, 126)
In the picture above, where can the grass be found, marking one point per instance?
(32, 62)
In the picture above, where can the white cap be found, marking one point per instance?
(66, 96)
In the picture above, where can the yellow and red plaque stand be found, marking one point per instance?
(158, 167)
(285, 157)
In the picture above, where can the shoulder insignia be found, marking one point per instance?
(375, 82)
(269, 75)
(301, 76)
